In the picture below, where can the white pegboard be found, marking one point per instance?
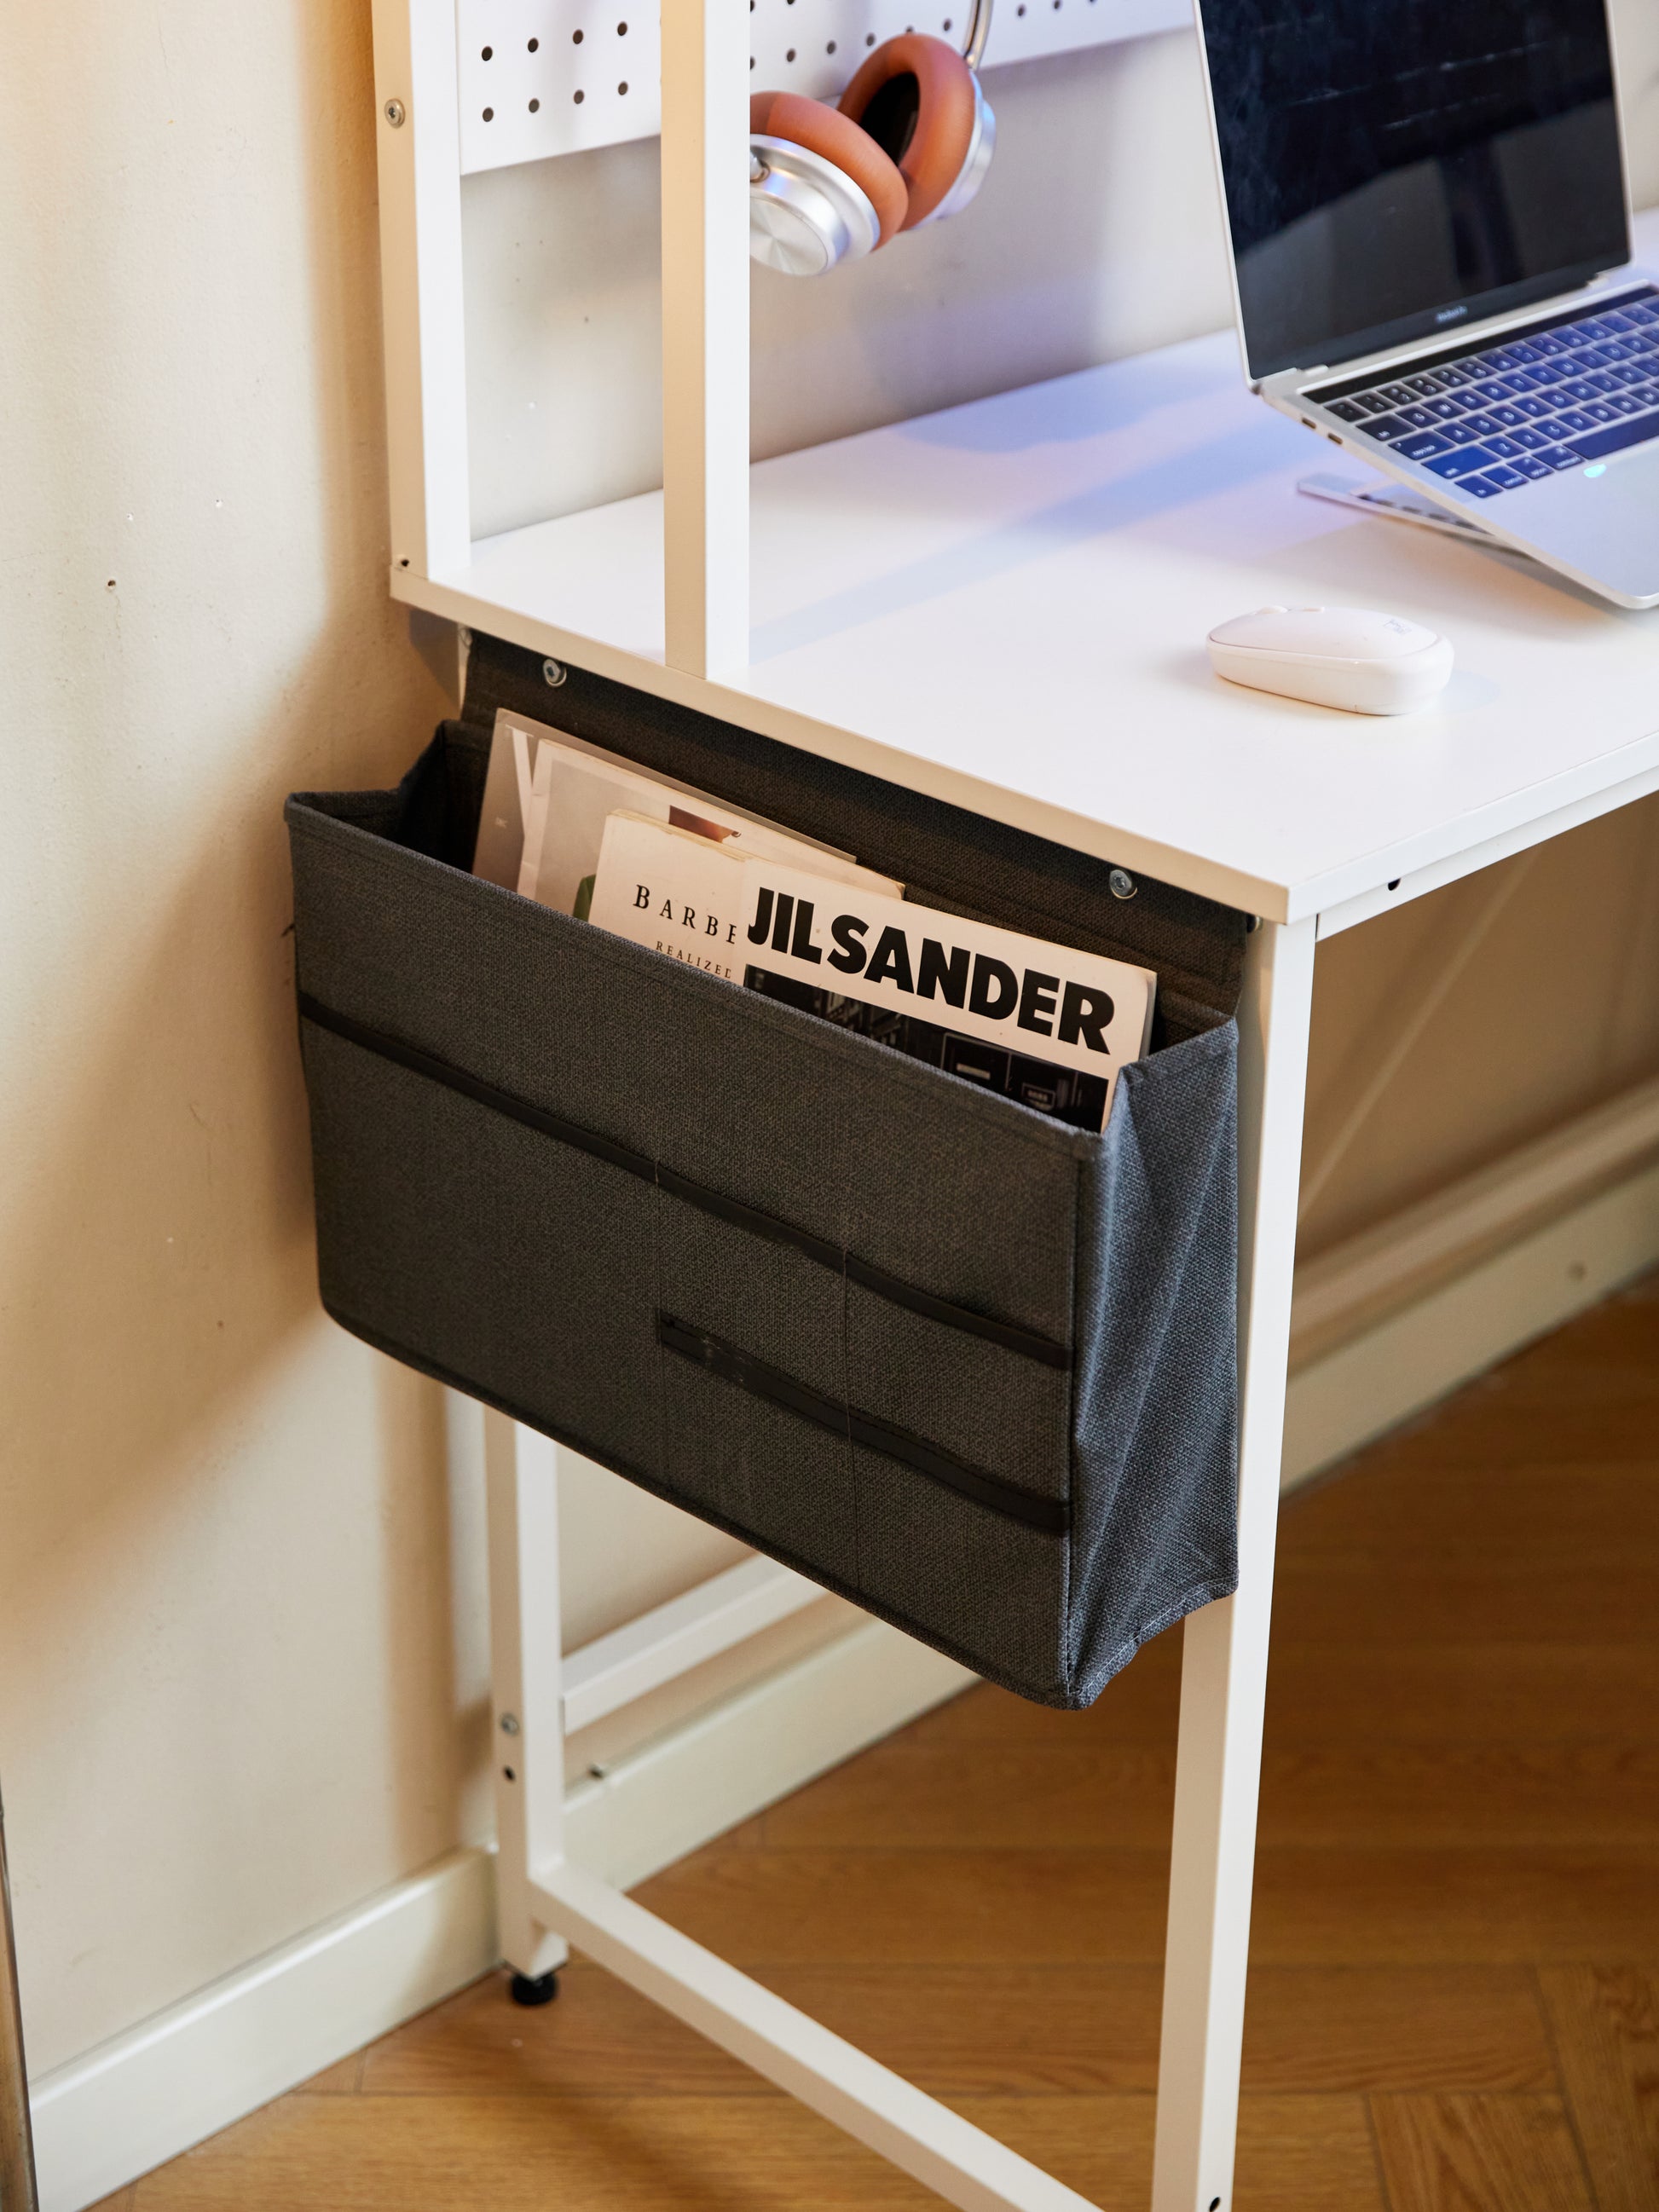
(539, 77)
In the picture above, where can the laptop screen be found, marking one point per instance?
(1395, 167)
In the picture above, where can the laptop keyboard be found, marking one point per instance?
(1493, 421)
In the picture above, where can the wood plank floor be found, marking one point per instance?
(1455, 1989)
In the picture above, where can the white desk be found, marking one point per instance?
(1005, 606)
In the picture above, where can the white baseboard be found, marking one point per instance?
(1383, 1326)
(144, 2097)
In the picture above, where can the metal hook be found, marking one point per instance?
(979, 31)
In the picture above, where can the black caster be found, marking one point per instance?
(535, 1988)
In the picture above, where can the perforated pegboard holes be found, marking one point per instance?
(539, 77)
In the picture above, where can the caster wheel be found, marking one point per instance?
(535, 1988)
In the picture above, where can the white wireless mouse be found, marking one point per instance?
(1349, 656)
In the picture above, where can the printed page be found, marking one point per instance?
(547, 797)
(1033, 1020)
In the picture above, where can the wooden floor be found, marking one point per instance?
(1455, 1989)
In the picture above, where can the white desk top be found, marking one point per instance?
(1005, 604)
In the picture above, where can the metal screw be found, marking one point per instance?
(552, 674)
(1122, 884)
(396, 113)
(509, 1723)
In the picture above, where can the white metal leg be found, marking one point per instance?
(965, 2166)
(671, 1639)
(545, 1901)
(1225, 1662)
(521, 1472)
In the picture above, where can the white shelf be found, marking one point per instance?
(543, 77)
(1005, 604)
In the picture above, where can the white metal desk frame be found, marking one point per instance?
(546, 1902)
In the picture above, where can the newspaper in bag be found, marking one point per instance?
(547, 796)
(1034, 1020)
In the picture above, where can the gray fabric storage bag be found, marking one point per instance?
(970, 1368)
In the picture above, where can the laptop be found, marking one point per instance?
(1431, 245)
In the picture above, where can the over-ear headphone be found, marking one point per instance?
(909, 143)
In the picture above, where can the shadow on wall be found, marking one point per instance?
(1097, 235)
(1478, 1019)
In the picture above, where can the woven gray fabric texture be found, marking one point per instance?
(972, 1369)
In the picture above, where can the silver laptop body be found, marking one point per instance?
(1430, 232)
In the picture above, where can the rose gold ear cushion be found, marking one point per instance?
(914, 96)
(824, 131)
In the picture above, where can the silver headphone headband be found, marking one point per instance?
(978, 32)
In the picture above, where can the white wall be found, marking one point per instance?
(240, 1636)
(222, 1526)
(230, 1697)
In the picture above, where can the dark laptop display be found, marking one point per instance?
(1394, 167)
